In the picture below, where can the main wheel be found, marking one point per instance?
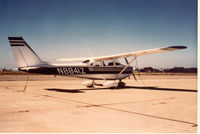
(121, 84)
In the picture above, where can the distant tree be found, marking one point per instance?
(172, 70)
(177, 70)
(191, 70)
(181, 70)
(147, 69)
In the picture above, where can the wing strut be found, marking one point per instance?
(127, 65)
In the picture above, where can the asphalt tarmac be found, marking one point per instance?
(155, 103)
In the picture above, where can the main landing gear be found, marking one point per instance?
(88, 83)
(107, 84)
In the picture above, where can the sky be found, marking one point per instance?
(83, 28)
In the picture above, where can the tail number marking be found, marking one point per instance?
(70, 70)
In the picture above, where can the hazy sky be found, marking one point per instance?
(83, 28)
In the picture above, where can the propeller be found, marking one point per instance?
(138, 70)
(132, 71)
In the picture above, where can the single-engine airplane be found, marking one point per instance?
(106, 68)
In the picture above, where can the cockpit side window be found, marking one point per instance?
(106, 63)
(117, 63)
(114, 62)
(97, 63)
(111, 64)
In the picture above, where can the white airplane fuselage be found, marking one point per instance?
(81, 71)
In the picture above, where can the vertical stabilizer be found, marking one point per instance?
(24, 55)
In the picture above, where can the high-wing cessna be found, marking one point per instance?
(105, 68)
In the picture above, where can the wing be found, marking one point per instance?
(75, 59)
(140, 53)
(134, 54)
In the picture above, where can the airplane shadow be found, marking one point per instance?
(161, 89)
(65, 90)
(125, 87)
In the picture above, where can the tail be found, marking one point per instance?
(24, 55)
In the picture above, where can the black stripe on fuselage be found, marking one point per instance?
(78, 70)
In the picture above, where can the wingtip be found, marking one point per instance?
(174, 47)
(178, 47)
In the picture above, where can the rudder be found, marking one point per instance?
(24, 55)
